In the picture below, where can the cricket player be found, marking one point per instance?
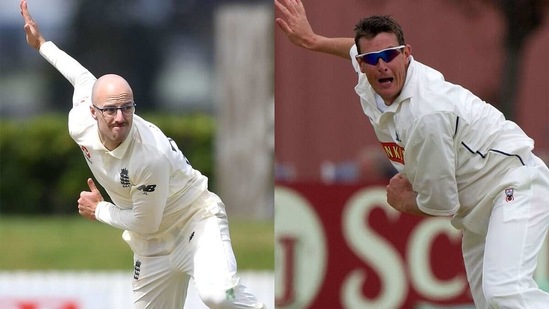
(456, 156)
(176, 228)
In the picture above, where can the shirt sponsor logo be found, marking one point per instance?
(394, 152)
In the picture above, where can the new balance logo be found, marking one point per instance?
(147, 188)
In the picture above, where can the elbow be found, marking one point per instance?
(149, 228)
(146, 226)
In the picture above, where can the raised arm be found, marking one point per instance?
(33, 34)
(295, 25)
(72, 70)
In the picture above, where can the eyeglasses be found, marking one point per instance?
(387, 55)
(111, 111)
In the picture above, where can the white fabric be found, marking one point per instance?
(450, 140)
(204, 254)
(156, 196)
(500, 266)
(464, 159)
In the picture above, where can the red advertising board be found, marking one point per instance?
(40, 303)
(342, 246)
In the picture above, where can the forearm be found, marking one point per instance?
(127, 219)
(71, 69)
(334, 46)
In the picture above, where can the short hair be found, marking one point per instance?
(371, 26)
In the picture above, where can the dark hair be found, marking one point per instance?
(371, 26)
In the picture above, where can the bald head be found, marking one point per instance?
(112, 92)
(111, 88)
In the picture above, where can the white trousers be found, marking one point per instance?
(204, 254)
(500, 265)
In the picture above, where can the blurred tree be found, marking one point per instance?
(122, 37)
(522, 18)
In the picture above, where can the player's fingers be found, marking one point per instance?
(25, 11)
(283, 25)
(394, 179)
(22, 6)
(29, 29)
(282, 8)
(299, 8)
(92, 185)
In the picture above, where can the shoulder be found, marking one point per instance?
(431, 93)
(80, 120)
(149, 137)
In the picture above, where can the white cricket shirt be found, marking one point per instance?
(152, 186)
(453, 147)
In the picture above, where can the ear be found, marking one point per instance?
(408, 52)
(93, 112)
(361, 65)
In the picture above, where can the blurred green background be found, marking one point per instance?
(74, 243)
(42, 172)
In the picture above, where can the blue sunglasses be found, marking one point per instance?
(387, 55)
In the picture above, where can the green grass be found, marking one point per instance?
(74, 243)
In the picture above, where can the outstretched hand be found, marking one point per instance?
(295, 24)
(34, 37)
(87, 203)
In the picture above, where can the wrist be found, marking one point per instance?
(315, 42)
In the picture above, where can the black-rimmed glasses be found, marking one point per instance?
(111, 111)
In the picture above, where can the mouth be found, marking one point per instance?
(385, 81)
(118, 125)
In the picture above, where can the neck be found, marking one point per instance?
(109, 146)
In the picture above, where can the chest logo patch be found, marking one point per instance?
(394, 152)
(124, 178)
(509, 194)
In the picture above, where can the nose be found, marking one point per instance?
(119, 115)
(381, 65)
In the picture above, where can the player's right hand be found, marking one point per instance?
(34, 37)
(294, 23)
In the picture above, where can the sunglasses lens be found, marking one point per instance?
(387, 56)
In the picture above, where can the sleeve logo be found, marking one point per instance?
(86, 153)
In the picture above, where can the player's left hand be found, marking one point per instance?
(87, 203)
(401, 196)
(295, 24)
